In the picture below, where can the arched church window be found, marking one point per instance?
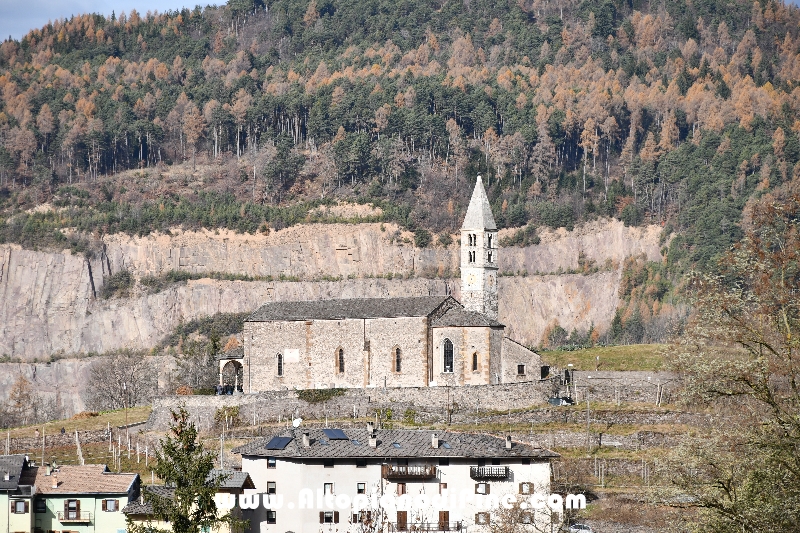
(279, 361)
(474, 240)
(489, 239)
(489, 257)
(448, 355)
(397, 360)
(475, 362)
(340, 361)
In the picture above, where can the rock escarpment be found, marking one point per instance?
(49, 303)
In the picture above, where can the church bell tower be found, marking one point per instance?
(479, 249)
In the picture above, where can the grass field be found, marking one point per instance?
(114, 418)
(629, 357)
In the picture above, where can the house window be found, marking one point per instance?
(40, 506)
(328, 488)
(271, 487)
(526, 461)
(526, 488)
(327, 463)
(329, 517)
(482, 488)
(72, 509)
(361, 463)
(361, 488)
(401, 489)
(481, 462)
(110, 506)
(520, 370)
(19, 507)
(444, 461)
(397, 360)
(271, 517)
(448, 356)
(442, 488)
(496, 462)
(482, 519)
(475, 362)
(271, 462)
(279, 360)
(340, 360)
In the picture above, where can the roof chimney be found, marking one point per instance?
(434, 441)
(373, 441)
(55, 481)
(508, 442)
(48, 470)
(306, 440)
(370, 428)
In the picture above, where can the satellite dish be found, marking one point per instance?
(296, 422)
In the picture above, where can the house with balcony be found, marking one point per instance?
(81, 499)
(368, 480)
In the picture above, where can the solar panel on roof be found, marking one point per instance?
(335, 434)
(278, 443)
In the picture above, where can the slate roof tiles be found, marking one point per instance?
(411, 444)
(344, 308)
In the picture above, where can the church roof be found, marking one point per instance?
(391, 443)
(344, 308)
(479, 213)
(457, 317)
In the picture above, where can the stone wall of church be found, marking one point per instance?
(310, 351)
(514, 354)
(467, 341)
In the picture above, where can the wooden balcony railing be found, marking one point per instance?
(425, 526)
(409, 472)
(74, 516)
(488, 472)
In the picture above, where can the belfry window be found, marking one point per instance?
(448, 356)
(397, 360)
(489, 257)
(475, 362)
(279, 360)
(340, 361)
(489, 240)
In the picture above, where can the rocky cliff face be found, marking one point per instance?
(49, 304)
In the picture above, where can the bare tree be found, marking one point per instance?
(125, 378)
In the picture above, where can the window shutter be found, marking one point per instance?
(477, 487)
(78, 507)
(486, 486)
(27, 508)
(13, 508)
(116, 505)
(355, 518)
(105, 505)
(321, 517)
(66, 508)
(336, 517)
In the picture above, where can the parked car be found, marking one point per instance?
(564, 400)
(580, 528)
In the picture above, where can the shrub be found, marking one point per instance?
(319, 395)
(117, 284)
(422, 238)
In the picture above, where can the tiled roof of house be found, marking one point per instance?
(88, 479)
(11, 465)
(458, 317)
(393, 443)
(233, 479)
(349, 308)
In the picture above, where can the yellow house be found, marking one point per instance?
(16, 495)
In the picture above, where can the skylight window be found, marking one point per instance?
(396, 444)
(354, 441)
(445, 445)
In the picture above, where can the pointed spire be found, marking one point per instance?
(479, 213)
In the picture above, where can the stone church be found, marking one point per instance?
(392, 342)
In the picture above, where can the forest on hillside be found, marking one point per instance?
(251, 114)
